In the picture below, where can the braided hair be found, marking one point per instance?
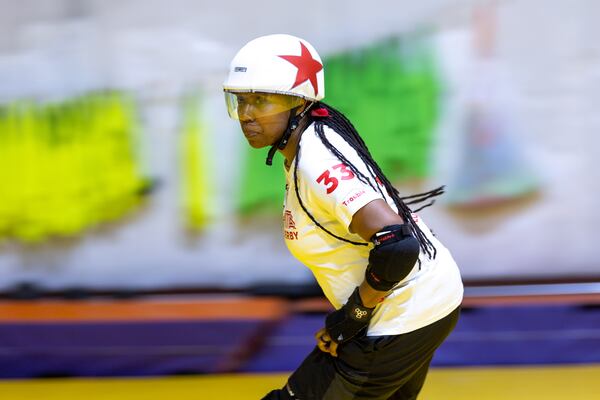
(325, 115)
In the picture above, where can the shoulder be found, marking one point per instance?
(311, 138)
(316, 152)
(313, 155)
(332, 167)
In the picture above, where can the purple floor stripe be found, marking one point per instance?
(485, 336)
(122, 349)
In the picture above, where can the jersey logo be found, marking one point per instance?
(340, 171)
(289, 225)
(288, 220)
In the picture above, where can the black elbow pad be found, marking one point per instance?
(395, 253)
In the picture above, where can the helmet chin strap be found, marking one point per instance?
(291, 126)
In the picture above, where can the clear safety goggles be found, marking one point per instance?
(259, 105)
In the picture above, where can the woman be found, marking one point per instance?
(395, 287)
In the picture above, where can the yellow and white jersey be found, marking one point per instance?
(332, 193)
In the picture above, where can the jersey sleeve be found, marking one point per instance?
(336, 187)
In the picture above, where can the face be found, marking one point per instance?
(263, 117)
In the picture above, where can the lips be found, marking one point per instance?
(250, 130)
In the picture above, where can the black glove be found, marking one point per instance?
(347, 322)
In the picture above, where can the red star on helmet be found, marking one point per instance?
(307, 66)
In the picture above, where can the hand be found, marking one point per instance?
(324, 342)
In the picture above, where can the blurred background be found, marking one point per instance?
(140, 235)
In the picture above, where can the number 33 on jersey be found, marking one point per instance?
(330, 177)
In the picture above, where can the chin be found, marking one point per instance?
(256, 145)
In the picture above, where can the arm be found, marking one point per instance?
(393, 257)
(362, 210)
(366, 222)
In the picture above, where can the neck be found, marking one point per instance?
(289, 152)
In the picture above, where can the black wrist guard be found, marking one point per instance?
(347, 322)
(395, 253)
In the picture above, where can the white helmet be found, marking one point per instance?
(282, 64)
(284, 70)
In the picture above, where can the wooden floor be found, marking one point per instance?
(547, 383)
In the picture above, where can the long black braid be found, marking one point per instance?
(343, 127)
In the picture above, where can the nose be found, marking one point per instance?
(245, 113)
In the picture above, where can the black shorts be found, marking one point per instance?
(376, 368)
